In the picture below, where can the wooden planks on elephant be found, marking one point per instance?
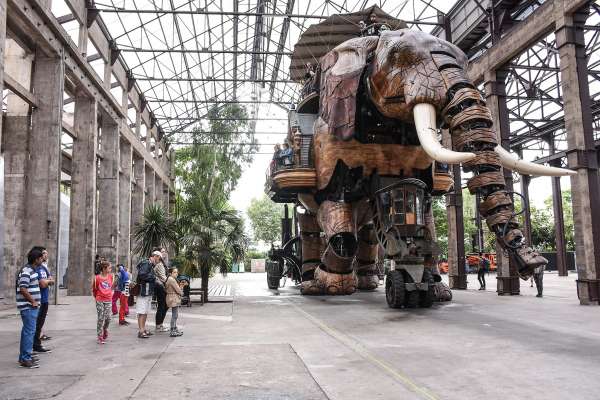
(388, 159)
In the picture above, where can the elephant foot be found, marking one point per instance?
(311, 288)
(527, 260)
(330, 283)
(442, 292)
(367, 282)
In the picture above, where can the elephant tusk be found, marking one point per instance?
(528, 168)
(424, 116)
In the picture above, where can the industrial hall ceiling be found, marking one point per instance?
(188, 56)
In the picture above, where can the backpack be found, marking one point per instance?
(144, 272)
(485, 263)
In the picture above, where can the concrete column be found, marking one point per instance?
(457, 276)
(150, 198)
(13, 166)
(559, 227)
(107, 236)
(166, 199)
(158, 190)
(42, 198)
(495, 94)
(2, 44)
(581, 154)
(138, 198)
(124, 248)
(82, 230)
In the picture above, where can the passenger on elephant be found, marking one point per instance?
(374, 28)
(276, 156)
(287, 155)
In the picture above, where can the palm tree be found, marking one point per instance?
(214, 236)
(155, 230)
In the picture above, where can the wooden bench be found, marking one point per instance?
(196, 292)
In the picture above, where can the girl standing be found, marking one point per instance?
(102, 290)
(174, 292)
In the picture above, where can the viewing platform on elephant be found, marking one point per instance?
(292, 170)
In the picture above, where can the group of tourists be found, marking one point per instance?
(32, 285)
(154, 278)
(109, 288)
(283, 156)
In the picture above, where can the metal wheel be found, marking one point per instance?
(394, 289)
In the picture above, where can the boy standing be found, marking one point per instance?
(28, 298)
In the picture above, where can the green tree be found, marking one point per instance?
(543, 229)
(440, 218)
(155, 230)
(265, 219)
(208, 170)
(216, 157)
(214, 238)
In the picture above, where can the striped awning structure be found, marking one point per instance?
(320, 38)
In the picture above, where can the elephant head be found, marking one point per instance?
(420, 80)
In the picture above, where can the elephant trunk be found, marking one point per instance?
(470, 124)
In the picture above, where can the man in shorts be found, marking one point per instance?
(145, 279)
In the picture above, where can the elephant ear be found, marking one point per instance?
(341, 70)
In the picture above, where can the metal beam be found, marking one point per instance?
(540, 23)
(202, 51)
(201, 11)
(209, 79)
(209, 101)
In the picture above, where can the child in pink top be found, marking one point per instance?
(102, 290)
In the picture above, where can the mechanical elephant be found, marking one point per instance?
(382, 100)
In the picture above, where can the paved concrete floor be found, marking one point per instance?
(279, 345)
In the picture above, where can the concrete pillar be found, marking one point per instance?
(42, 198)
(495, 94)
(2, 44)
(150, 198)
(107, 236)
(124, 248)
(457, 276)
(13, 166)
(82, 231)
(138, 198)
(581, 154)
(559, 227)
(166, 198)
(158, 190)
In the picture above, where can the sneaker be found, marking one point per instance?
(123, 322)
(28, 364)
(101, 340)
(41, 350)
(105, 335)
(162, 328)
(45, 337)
(175, 333)
(35, 359)
(538, 295)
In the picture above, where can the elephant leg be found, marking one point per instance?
(335, 274)
(365, 266)
(312, 248)
(470, 124)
